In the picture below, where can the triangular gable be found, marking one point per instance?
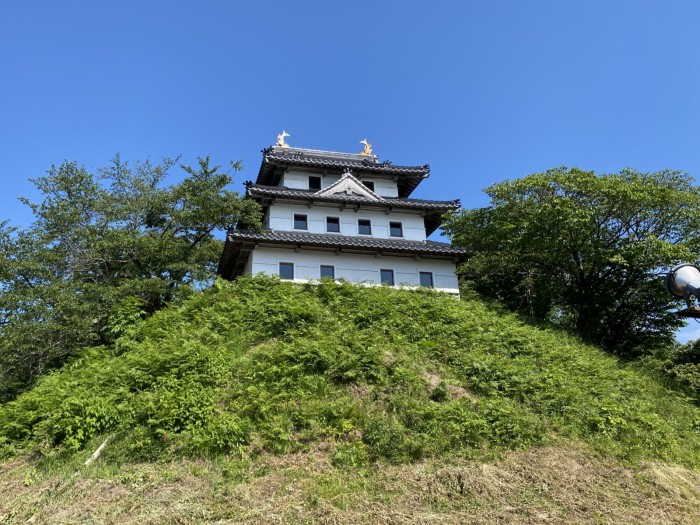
(348, 185)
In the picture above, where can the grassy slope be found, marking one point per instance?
(550, 485)
(340, 398)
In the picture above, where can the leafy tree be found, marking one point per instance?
(102, 241)
(585, 251)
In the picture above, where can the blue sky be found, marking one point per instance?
(481, 90)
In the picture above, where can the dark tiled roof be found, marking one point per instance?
(275, 157)
(240, 243)
(256, 190)
(330, 159)
(343, 241)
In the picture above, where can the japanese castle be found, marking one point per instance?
(344, 216)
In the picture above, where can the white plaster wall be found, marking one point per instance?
(355, 268)
(298, 180)
(384, 187)
(281, 218)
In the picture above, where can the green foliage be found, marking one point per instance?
(353, 454)
(106, 249)
(266, 366)
(683, 365)
(585, 251)
(125, 315)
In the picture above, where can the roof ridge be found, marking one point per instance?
(293, 151)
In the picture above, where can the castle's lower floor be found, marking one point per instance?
(303, 265)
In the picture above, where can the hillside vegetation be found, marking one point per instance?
(262, 365)
(248, 384)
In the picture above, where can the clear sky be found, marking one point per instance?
(482, 90)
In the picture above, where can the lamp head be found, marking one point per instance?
(683, 281)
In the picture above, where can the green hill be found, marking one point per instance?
(355, 393)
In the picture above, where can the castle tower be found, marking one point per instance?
(344, 216)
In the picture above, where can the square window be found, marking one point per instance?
(426, 279)
(300, 222)
(333, 224)
(395, 229)
(327, 271)
(369, 184)
(287, 270)
(387, 277)
(314, 183)
(364, 227)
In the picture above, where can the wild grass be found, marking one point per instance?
(542, 485)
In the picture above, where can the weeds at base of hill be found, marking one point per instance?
(567, 483)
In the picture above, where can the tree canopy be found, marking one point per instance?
(585, 251)
(106, 247)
